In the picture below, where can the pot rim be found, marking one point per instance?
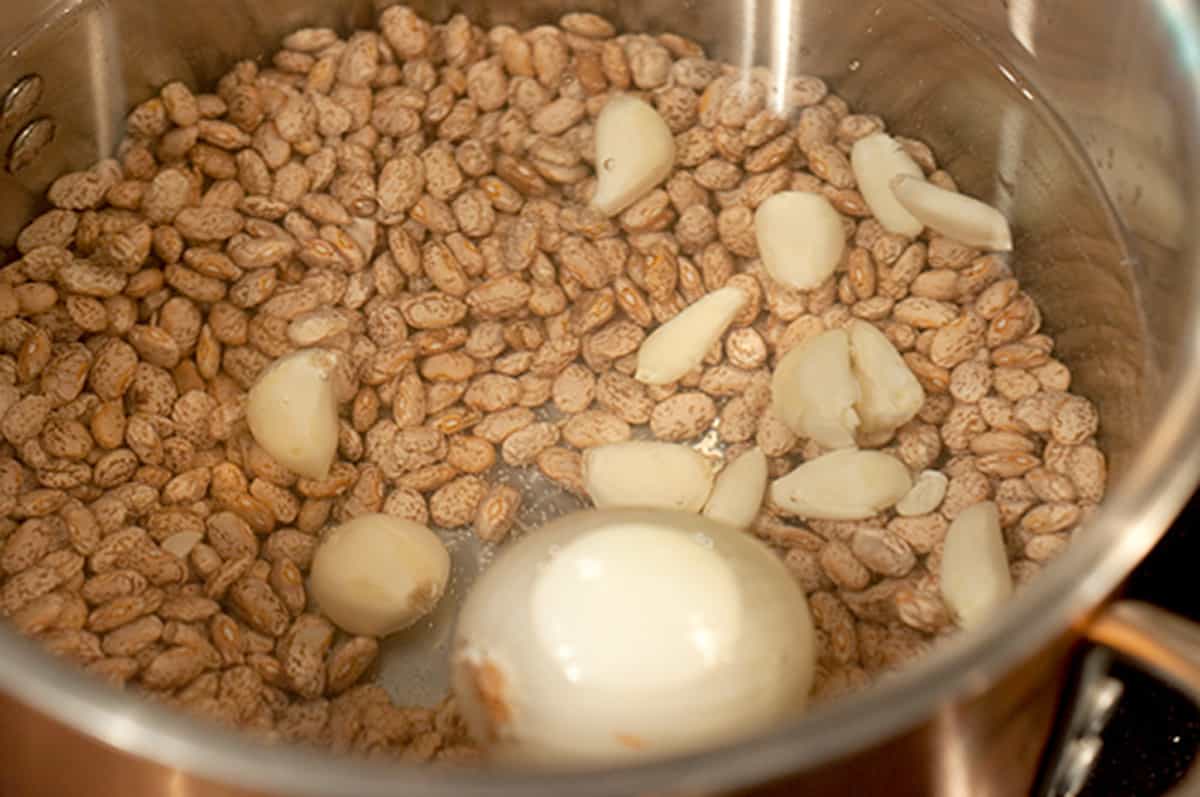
(1132, 519)
(1131, 523)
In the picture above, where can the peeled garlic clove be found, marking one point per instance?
(975, 577)
(738, 492)
(813, 390)
(890, 395)
(679, 345)
(365, 233)
(800, 238)
(925, 496)
(876, 161)
(292, 412)
(378, 574)
(843, 485)
(635, 151)
(181, 543)
(647, 474)
(957, 216)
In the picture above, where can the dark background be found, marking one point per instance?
(1155, 732)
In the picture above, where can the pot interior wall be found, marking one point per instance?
(925, 73)
(968, 84)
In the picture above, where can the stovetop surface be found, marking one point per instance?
(1154, 734)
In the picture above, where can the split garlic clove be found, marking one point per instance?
(738, 492)
(635, 151)
(975, 578)
(890, 395)
(181, 543)
(612, 636)
(954, 215)
(800, 238)
(925, 496)
(379, 574)
(876, 161)
(647, 474)
(843, 485)
(292, 412)
(680, 345)
(814, 392)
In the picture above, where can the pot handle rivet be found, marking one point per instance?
(30, 143)
(21, 100)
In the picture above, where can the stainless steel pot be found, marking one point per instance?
(1078, 117)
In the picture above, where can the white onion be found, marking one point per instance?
(624, 634)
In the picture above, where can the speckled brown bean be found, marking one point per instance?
(1074, 422)
(1087, 468)
(595, 428)
(497, 513)
(257, 604)
(454, 504)
(134, 637)
(241, 224)
(840, 565)
(965, 490)
(523, 447)
(173, 668)
(564, 467)
(574, 389)
(348, 662)
(683, 416)
(773, 436)
(434, 311)
(625, 397)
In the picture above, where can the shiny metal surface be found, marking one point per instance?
(994, 87)
(1075, 750)
(21, 100)
(1154, 639)
(29, 143)
(1158, 642)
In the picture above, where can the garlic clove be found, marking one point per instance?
(181, 543)
(292, 412)
(975, 578)
(737, 494)
(890, 395)
(800, 238)
(954, 215)
(613, 636)
(635, 151)
(813, 390)
(876, 161)
(680, 345)
(647, 474)
(925, 496)
(844, 485)
(378, 574)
